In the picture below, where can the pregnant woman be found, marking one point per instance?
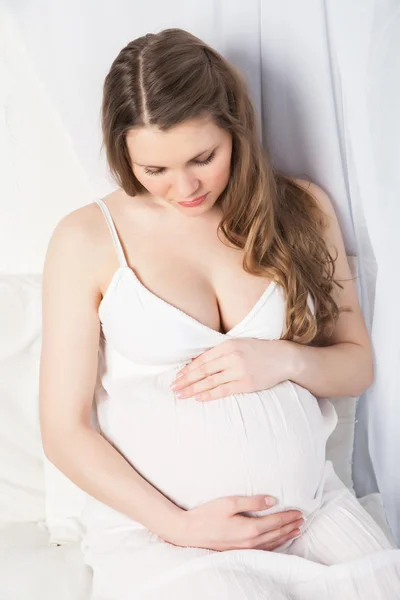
(208, 307)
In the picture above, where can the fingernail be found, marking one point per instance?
(269, 500)
(295, 533)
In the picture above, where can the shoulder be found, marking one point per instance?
(331, 231)
(321, 197)
(330, 228)
(85, 227)
(77, 229)
(81, 239)
(76, 249)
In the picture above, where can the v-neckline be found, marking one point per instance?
(267, 292)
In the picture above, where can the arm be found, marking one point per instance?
(68, 371)
(344, 368)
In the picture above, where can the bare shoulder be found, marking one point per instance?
(74, 232)
(320, 196)
(75, 249)
(80, 225)
(84, 231)
(350, 326)
(332, 233)
(81, 246)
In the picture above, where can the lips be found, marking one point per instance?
(194, 202)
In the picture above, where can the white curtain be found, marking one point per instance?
(325, 78)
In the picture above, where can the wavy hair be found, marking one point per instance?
(166, 78)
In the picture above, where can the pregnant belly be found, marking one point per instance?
(269, 442)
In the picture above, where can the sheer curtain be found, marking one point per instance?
(331, 92)
(325, 78)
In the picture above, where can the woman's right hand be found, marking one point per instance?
(219, 525)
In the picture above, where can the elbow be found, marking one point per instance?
(366, 375)
(56, 440)
(51, 436)
(361, 387)
(371, 376)
(52, 449)
(52, 446)
(369, 380)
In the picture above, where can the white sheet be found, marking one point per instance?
(32, 570)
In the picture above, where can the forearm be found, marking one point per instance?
(95, 466)
(343, 369)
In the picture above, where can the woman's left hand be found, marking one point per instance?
(233, 367)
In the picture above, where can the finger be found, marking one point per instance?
(202, 372)
(222, 391)
(279, 542)
(276, 521)
(241, 504)
(275, 538)
(203, 390)
(272, 536)
(213, 353)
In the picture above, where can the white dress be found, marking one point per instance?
(269, 442)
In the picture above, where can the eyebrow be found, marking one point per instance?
(194, 158)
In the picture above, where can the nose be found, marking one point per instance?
(187, 185)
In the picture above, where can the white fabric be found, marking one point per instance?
(31, 570)
(374, 506)
(370, 85)
(330, 94)
(50, 573)
(64, 505)
(242, 444)
(41, 179)
(21, 466)
(344, 560)
(339, 448)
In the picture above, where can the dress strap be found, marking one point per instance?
(117, 243)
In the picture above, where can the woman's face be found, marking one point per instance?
(183, 163)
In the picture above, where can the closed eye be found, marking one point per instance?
(200, 163)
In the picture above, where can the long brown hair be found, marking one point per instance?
(166, 78)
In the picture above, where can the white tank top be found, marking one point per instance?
(267, 442)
